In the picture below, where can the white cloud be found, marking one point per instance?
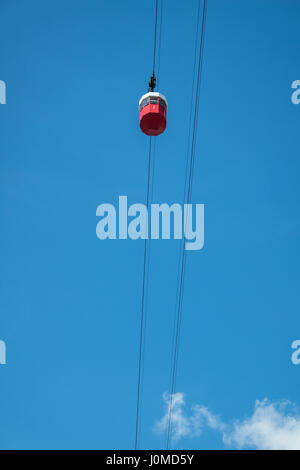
(272, 426)
(183, 425)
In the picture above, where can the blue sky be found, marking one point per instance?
(69, 141)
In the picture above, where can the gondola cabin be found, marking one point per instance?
(153, 113)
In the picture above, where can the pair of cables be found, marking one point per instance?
(189, 175)
(147, 246)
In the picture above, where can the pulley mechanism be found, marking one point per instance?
(152, 82)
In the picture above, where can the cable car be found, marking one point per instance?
(153, 111)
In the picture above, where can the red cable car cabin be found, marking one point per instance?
(153, 113)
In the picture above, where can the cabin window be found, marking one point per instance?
(146, 101)
(153, 100)
(162, 103)
(141, 106)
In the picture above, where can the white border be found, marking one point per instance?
(153, 93)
